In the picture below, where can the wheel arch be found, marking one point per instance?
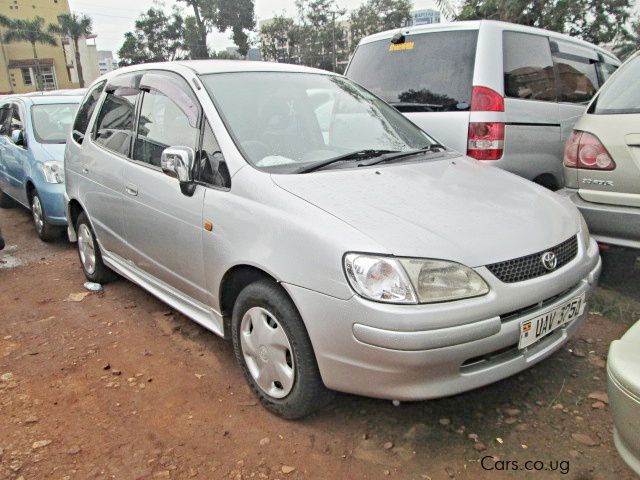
(233, 282)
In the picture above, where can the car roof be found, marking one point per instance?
(48, 97)
(484, 24)
(203, 67)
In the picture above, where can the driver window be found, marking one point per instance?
(162, 124)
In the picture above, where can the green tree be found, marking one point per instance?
(31, 31)
(597, 21)
(630, 42)
(279, 40)
(157, 37)
(74, 27)
(236, 15)
(377, 16)
(324, 41)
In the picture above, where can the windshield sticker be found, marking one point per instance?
(397, 47)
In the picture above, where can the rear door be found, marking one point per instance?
(427, 76)
(614, 117)
(578, 80)
(100, 166)
(532, 131)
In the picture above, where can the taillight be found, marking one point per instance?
(484, 99)
(486, 140)
(584, 150)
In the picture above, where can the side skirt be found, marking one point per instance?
(195, 310)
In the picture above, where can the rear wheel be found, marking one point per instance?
(89, 252)
(46, 231)
(274, 351)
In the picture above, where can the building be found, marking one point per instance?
(55, 65)
(106, 62)
(426, 16)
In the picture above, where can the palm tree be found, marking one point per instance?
(75, 27)
(30, 31)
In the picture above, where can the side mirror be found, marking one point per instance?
(177, 162)
(17, 137)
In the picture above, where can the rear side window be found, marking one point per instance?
(528, 67)
(622, 93)
(606, 70)
(85, 111)
(576, 68)
(428, 72)
(114, 125)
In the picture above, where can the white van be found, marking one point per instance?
(499, 92)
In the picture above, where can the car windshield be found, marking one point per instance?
(285, 122)
(51, 122)
(621, 94)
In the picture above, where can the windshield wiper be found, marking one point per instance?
(434, 147)
(359, 155)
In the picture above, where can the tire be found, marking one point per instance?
(618, 265)
(94, 269)
(267, 304)
(45, 230)
(6, 201)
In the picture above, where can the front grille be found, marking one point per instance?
(530, 266)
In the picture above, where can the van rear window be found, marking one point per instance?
(427, 72)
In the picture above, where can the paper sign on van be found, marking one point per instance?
(395, 47)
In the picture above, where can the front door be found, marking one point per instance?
(16, 157)
(163, 226)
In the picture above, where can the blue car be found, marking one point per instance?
(33, 133)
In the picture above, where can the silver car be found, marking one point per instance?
(505, 94)
(339, 251)
(602, 168)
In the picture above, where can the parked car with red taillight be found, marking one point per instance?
(501, 93)
(602, 164)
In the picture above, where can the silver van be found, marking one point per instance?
(502, 93)
(346, 251)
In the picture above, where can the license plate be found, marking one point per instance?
(538, 327)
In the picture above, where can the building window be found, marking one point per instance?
(48, 78)
(27, 78)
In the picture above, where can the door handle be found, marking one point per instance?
(85, 170)
(131, 189)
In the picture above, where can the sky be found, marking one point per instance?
(112, 18)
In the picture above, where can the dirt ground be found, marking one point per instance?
(116, 385)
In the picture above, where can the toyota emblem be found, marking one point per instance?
(549, 260)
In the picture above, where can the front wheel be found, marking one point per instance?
(89, 252)
(274, 351)
(45, 230)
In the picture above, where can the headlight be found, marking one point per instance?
(378, 278)
(53, 172)
(411, 280)
(584, 232)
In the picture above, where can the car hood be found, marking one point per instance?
(455, 209)
(52, 151)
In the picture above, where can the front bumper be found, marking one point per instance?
(612, 224)
(52, 197)
(416, 352)
(623, 374)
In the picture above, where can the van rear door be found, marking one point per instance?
(427, 76)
